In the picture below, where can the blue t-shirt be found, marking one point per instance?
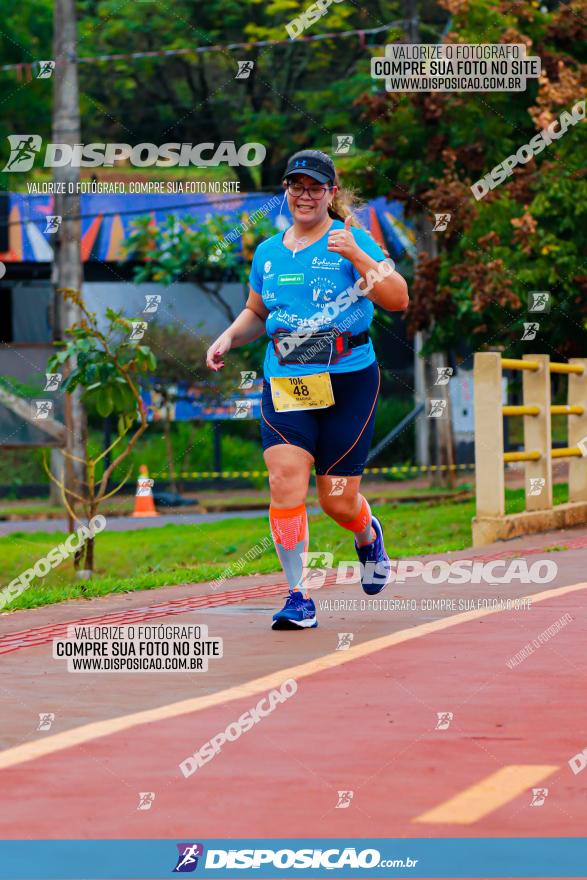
(300, 292)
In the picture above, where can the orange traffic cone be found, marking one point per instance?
(144, 504)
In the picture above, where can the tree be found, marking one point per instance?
(529, 233)
(297, 93)
(25, 37)
(67, 269)
(105, 367)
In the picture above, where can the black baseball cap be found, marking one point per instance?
(314, 163)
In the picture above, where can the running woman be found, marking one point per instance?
(312, 291)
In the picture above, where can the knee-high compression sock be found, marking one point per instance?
(289, 528)
(360, 525)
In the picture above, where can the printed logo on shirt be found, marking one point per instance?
(288, 318)
(321, 288)
(323, 263)
(291, 279)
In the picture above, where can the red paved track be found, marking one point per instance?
(44, 635)
(367, 726)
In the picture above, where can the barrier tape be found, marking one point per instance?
(397, 469)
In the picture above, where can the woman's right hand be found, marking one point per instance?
(214, 355)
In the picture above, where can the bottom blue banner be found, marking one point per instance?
(504, 857)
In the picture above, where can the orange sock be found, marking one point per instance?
(289, 528)
(361, 524)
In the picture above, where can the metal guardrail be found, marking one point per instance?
(536, 410)
(531, 410)
(554, 367)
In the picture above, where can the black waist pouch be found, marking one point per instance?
(324, 347)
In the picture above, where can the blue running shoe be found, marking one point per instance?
(376, 565)
(296, 613)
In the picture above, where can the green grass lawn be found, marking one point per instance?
(173, 554)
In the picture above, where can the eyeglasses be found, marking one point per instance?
(315, 192)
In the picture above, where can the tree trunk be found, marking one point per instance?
(169, 448)
(412, 16)
(424, 242)
(442, 431)
(420, 394)
(433, 435)
(57, 467)
(67, 266)
(186, 452)
(89, 561)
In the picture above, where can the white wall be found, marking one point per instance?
(185, 305)
(30, 310)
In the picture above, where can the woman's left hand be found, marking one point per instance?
(342, 241)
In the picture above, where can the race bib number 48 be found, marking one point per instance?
(301, 392)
